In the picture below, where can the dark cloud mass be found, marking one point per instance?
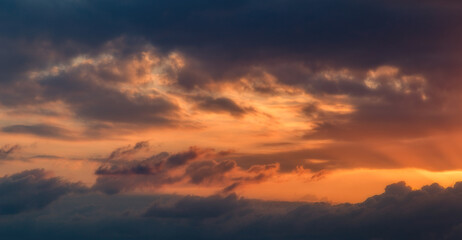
(90, 86)
(341, 32)
(32, 190)
(429, 213)
(199, 208)
(307, 44)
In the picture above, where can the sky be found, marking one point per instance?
(244, 119)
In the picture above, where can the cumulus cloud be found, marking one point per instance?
(32, 190)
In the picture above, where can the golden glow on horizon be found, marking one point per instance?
(354, 185)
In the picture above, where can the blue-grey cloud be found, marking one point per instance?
(32, 190)
(199, 208)
(430, 213)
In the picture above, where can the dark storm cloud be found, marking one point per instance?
(297, 42)
(234, 35)
(192, 207)
(32, 190)
(240, 25)
(429, 213)
(432, 212)
(42, 130)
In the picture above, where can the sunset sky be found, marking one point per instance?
(177, 117)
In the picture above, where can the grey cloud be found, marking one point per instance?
(429, 213)
(221, 105)
(7, 150)
(255, 174)
(192, 207)
(42, 130)
(114, 177)
(153, 171)
(128, 151)
(200, 172)
(199, 166)
(182, 158)
(311, 110)
(32, 190)
(119, 183)
(150, 165)
(95, 101)
(91, 90)
(387, 120)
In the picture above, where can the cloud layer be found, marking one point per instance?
(32, 190)
(120, 172)
(432, 212)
